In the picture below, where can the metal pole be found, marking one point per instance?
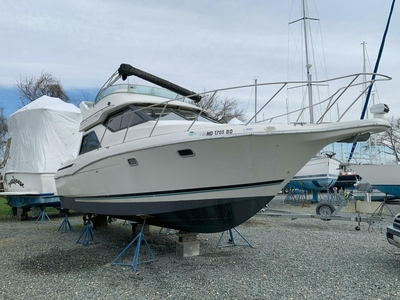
(308, 66)
(255, 99)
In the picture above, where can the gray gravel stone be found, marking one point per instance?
(291, 259)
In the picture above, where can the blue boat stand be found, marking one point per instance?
(87, 236)
(12, 212)
(135, 260)
(231, 241)
(65, 225)
(127, 223)
(43, 216)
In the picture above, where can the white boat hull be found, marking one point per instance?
(319, 174)
(24, 190)
(231, 177)
(384, 178)
(42, 183)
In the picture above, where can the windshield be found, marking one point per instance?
(137, 89)
(175, 113)
(133, 115)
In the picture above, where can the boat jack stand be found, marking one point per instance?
(43, 216)
(135, 260)
(381, 207)
(12, 212)
(376, 219)
(87, 236)
(127, 223)
(65, 225)
(231, 241)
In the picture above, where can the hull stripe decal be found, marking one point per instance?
(188, 191)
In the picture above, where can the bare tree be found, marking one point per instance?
(223, 110)
(83, 95)
(31, 88)
(389, 141)
(3, 131)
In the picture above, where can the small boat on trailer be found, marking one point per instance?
(147, 152)
(318, 175)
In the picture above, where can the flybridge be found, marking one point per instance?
(126, 70)
(135, 88)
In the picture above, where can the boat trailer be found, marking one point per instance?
(326, 212)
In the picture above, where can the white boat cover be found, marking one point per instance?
(44, 134)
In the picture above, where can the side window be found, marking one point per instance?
(89, 142)
(125, 119)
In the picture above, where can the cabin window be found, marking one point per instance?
(138, 114)
(175, 113)
(125, 118)
(89, 142)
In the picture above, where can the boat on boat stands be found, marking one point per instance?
(319, 174)
(384, 178)
(145, 152)
(42, 135)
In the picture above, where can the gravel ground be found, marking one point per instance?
(290, 259)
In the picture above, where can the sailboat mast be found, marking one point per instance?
(255, 99)
(305, 19)
(308, 65)
(365, 75)
(364, 96)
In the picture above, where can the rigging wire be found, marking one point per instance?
(296, 55)
(248, 102)
(373, 76)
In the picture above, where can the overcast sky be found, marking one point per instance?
(201, 45)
